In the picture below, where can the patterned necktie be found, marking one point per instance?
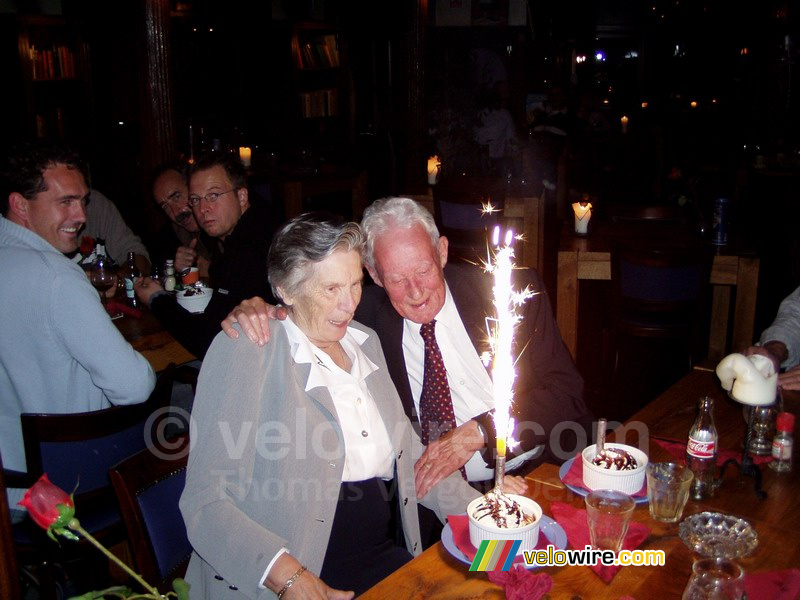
(435, 404)
(436, 414)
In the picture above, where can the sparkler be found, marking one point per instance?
(502, 341)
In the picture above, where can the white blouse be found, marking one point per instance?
(368, 448)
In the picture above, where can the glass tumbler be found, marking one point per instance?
(715, 579)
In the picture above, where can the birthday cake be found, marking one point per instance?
(617, 467)
(501, 516)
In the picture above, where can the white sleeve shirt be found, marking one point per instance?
(470, 383)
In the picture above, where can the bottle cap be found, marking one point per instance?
(785, 421)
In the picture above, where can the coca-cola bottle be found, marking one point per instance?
(701, 451)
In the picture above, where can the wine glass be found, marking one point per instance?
(102, 277)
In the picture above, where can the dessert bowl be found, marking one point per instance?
(598, 478)
(718, 535)
(487, 529)
(195, 298)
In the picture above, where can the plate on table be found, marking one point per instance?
(554, 533)
(564, 469)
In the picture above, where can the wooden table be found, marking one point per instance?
(589, 257)
(436, 574)
(148, 337)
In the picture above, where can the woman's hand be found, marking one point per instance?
(253, 317)
(306, 585)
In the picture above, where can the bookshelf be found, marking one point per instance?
(54, 64)
(320, 77)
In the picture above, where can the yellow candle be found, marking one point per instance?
(433, 170)
(624, 122)
(583, 212)
(245, 155)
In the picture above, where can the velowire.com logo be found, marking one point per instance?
(495, 555)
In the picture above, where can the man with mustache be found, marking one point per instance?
(179, 239)
(239, 234)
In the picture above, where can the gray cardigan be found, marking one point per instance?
(266, 465)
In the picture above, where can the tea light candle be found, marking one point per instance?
(433, 170)
(245, 155)
(583, 212)
(624, 122)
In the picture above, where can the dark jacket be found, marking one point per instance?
(238, 271)
(548, 389)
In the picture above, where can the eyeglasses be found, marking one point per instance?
(176, 198)
(210, 197)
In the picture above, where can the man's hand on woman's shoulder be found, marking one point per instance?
(253, 317)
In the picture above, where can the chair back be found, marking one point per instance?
(9, 575)
(148, 487)
(660, 292)
(459, 211)
(649, 214)
(77, 450)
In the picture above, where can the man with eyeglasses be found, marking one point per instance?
(238, 234)
(179, 238)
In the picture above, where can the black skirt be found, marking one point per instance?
(364, 546)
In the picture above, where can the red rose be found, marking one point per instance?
(48, 505)
(87, 245)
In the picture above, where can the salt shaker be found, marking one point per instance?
(783, 443)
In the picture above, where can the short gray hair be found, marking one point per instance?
(303, 241)
(387, 213)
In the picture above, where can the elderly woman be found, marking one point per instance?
(300, 478)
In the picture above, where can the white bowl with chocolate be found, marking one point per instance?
(619, 467)
(504, 517)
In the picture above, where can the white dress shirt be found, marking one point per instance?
(470, 384)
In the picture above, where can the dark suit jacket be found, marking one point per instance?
(548, 390)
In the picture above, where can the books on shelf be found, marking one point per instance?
(52, 62)
(320, 52)
(319, 103)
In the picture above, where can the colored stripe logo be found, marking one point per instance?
(495, 555)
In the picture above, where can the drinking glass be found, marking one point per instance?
(608, 513)
(102, 277)
(715, 579)
(668, 490)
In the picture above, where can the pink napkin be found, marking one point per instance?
(574, 477)
(677, 448)
(520, 584)
(460, 526)
(775, 585)
(113, 307)
(573, 520)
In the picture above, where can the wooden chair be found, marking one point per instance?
(148, 487)
(76, 451)
(9, 574)
(661, 294)
(458, 209)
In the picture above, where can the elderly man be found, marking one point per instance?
(406, 258)
(60, 352)
(179, 238)
(241, 233)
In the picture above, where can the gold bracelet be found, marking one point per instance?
(291, 581)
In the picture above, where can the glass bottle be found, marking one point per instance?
(131, 276)
(782, 444)
(169, 275)
(701, 450)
